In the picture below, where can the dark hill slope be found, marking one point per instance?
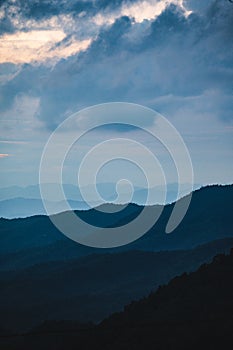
(193, 311)
(92, 287)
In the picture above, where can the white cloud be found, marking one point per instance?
(37, 45)
(140, 11)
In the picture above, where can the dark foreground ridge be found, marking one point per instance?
(193, 311)
(93, 287)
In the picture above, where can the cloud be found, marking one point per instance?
(30, 29)
(165, 57)
(11, 142)
(197, 5)
(4, 155)
(19, 124)
(40, 10)
(177, 54)
(37, 46)
(134, 61)
(138, 10)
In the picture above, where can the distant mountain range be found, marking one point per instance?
(26, 201)
(46, 276)
(21, 207)
(209, 218)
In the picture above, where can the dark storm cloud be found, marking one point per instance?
(61, 84)
(178, 55)
(2, 2)
(17, 15)
(88, 78)
(110, 40)
(44, 9)
(38, 10)
(6, 26)
(198, 5)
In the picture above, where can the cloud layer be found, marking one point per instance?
(126, 60)
(172, 55)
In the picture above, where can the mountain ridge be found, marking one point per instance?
(16, 201)
(208, 218)
(94, 286)
(191, 311)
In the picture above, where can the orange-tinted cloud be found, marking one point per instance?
(37, 46)
(4, 155)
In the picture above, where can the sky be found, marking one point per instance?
(58, 57)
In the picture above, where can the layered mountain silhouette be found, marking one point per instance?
(45, 276)
(24, 207)
(36, 239)
(26, 201)
(92, 287)
(193, 311)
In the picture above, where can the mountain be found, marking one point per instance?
(193, 311)
(92, 287)
(26, 201)
(208, 218)
(33, 192)
(46, 276)
(74, 192)
(21, 207)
